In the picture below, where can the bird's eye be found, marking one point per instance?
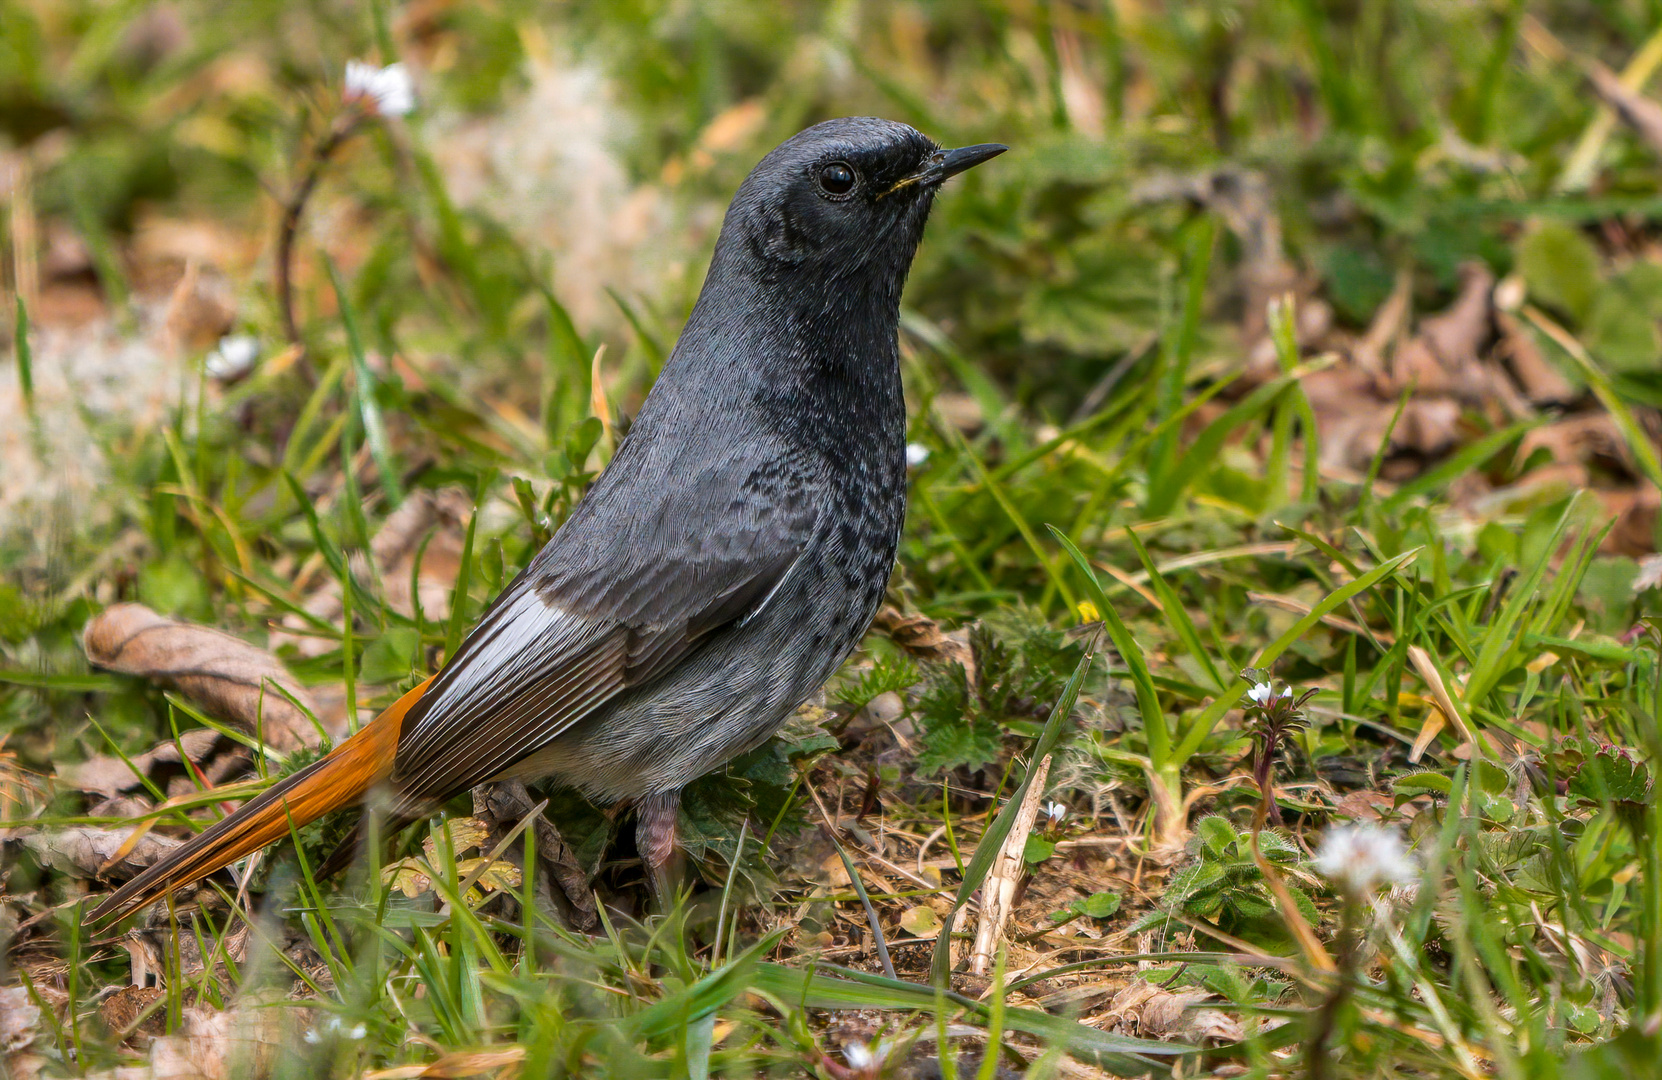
(837, 178)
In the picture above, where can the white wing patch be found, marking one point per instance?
(521, 639)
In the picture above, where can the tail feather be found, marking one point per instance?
(335, 781)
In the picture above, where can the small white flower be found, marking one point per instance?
(312, 1036)
(1055, 811)
(233, 357)
(866, 1057)
(388, 89)
(1262, 694)
(358, 1031)
(1360, 858)
(916, 455)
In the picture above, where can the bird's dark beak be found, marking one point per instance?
(949, 163)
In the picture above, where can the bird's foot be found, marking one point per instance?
(655, 838)
(502, 804)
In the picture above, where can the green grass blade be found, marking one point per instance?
(1176, 614)
(1202, 453)
(1498, 639)
(369, 408)
(1458, 464)
(1131, 654)
(1002, 497)
(457, 625)
(25, 358)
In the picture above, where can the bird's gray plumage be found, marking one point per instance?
(739, 543)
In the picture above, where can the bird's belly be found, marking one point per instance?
(725, 700)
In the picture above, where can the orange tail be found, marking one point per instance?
(335, 781)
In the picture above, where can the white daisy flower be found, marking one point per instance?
(1360, 858)
(866, 1057)
(388, 89)
(233, 357)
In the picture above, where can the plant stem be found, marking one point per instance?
(339, 131)
(1326, 1017)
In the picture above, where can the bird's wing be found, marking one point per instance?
(633, 582)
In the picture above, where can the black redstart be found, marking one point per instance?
(723, 565)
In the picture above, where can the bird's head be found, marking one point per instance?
(844, 199)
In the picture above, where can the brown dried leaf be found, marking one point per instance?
(1579, 439)
(1458, 333)
(1155, 1013)
(502, 804)
(122, 1009)
(86, 851)
(1442, 357)
(19, 1020)
(1635, 510)
(1388, 324)
(923, 637)
(229, 677)
(231, 1045)
(1364, 806)
(109, 776)
(1542, 383)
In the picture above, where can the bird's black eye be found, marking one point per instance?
(837, 178)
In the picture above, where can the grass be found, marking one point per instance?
(1118, 422)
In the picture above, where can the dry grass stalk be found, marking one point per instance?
(998, 892)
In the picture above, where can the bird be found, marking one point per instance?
(720, 568)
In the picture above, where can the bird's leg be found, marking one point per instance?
(655, 838)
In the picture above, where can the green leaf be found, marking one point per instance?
(1097, 905)
(1612, 774)
(1561, 268)
(1176, 614)
(1622, 333)
(173, 586)
(582, 439)
(1148, 699)
(1421, 783)
(1037, 850)
(391, 656)
(1216, 833)
(921, 921)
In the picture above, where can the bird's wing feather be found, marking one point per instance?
(631, 584)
